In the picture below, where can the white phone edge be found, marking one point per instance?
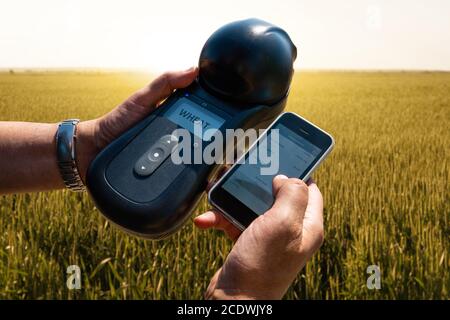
(236, 223)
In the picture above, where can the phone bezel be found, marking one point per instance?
(232, 208)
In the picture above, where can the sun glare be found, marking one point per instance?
(355, 34)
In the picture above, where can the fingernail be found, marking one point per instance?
(281, 176)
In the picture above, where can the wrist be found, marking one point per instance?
(86, 147)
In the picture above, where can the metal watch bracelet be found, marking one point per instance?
(66, 156)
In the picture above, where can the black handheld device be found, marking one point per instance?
(245, 70)
(296, 149)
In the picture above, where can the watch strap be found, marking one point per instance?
(66, 155)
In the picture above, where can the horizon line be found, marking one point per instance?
(148, 70)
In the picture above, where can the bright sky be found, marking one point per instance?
(166, 34)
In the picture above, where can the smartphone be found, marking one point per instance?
(291, 145)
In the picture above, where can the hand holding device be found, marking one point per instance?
(291, 146)
(269, 254)
(94, 135)
(245, 70)
(283, 225)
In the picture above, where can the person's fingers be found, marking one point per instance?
(313, 231)
(160, 88)
(140, 104)
(277, 182)
(209, 219)
(314, 210)
(215, 220)
(291, 198)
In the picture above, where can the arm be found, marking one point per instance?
(28, 151)
(28, 160)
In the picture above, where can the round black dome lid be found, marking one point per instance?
(248, 61)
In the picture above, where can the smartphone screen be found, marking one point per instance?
(253, 188)
(292, 146)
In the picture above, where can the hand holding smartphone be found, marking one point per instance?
(295, 145)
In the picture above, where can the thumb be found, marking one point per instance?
(140, 104)
(215, 220)
(291, 198)
(163, 86)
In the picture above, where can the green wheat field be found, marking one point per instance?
(385, 186)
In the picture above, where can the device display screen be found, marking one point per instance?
(254, 189)
(186, 113)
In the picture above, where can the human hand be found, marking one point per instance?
(269, 254)
(94, 135)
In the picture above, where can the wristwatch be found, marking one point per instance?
(65, 152)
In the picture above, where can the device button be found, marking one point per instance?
(153, 158)
(169, 140)
(156, 154)
(144, 167)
